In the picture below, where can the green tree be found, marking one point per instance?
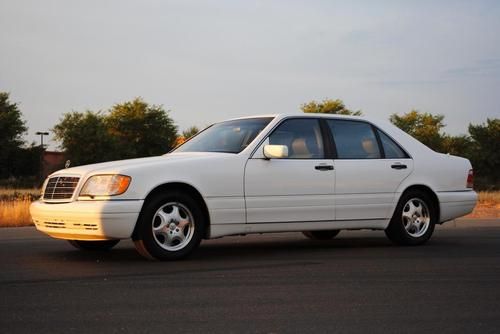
(85, 138)
(26, 165)
(128, 130)
(456, 145)
(329, 106)
(423, 126)
(189, 132)
(141, 129)
(12, 128)
(485, 153)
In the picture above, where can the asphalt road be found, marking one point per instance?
(280, 283)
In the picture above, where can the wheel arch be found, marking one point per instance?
(424, 188)
(179, 186)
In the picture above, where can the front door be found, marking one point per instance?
(299, 188)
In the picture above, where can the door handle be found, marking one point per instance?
(398, 166)
(324, 167)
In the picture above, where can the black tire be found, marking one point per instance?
(153, 245)
(398, 233)
(98, 245)
(321, 235)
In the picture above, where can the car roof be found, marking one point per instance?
(300, 114)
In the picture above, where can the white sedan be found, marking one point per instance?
(318, 174)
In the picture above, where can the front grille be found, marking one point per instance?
(60, 187)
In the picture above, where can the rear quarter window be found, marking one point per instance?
(391, 149)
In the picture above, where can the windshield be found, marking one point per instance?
(228, 137)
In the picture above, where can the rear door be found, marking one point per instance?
(369, 167)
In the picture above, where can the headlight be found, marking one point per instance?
(106, 185)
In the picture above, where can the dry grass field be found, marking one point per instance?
(489, 198)
(14, 206)
(488, 205)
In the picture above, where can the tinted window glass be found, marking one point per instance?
(228, 137)
(354, 140)
(301, 136)
(391, 149)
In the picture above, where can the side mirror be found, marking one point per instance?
(275, 151)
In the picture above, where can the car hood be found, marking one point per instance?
(120, 166)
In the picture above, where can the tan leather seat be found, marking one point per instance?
(370, 148)
(299, 149)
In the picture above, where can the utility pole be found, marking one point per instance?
(41, 134)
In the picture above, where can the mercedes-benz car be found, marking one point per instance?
(317, 174)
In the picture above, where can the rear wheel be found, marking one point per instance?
(170, 228)
(321, 235)
(98, 245)
(413, 220)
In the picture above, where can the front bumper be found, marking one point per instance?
(86, 220)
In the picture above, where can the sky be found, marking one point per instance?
(207, 61)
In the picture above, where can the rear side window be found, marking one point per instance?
(302, 136)
(391, 149)
(354, 140)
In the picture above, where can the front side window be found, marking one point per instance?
(226, 137)
(354, 140)
(302, 136)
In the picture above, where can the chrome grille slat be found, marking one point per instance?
(60, 187)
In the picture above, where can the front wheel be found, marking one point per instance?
(98, 245)
(171, 226)
(413, 220)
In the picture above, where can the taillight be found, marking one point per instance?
(470, 179)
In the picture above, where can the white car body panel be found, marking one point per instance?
(234, 229)
(365, 188)
(246, 194)
(87, 220)
(288, 190)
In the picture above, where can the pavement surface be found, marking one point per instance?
(275, 283)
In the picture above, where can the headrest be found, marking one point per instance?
(299, 148)
(369, 146)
